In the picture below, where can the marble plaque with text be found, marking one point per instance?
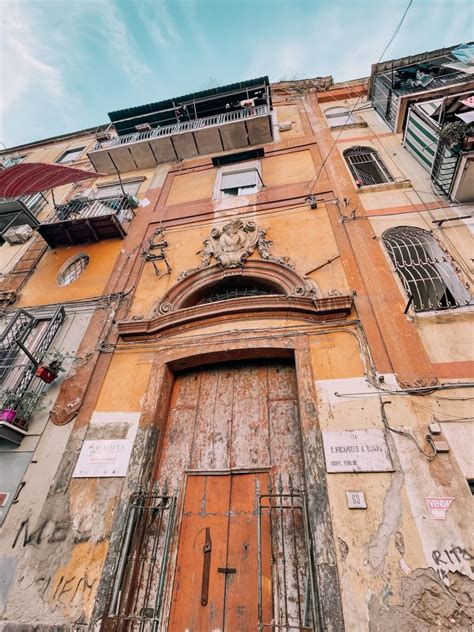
(357, 451)
(103, 457)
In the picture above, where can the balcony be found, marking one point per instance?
(235, 116)
(438, 134)
(394, 85)
(209, 135)
(88, 220)
(19, 211)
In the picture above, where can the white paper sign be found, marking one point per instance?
(103, 457)
(356, 451)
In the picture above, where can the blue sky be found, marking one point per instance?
(65, 63)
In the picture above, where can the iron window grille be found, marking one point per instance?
(73, 270)
(16, 370)
(366, 166)
(425, 270)
(340, 116)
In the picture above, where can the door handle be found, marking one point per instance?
(206, 568)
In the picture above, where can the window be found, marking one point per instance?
(9, 161)
(234, 287)
(425, 269)
(239, 183)
(70, 155)
(113, 189)
(340, 116)
(366, 166)
(72, 269)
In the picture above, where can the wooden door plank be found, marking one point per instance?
(249, 441)
(285, 441)
(207, 506)
(176, 446)
(222, 419)
(185, 389)
(203, 426)
(281, 380)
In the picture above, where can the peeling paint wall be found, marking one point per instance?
(403, 562)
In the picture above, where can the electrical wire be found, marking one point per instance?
(406, 434)
(313, 182)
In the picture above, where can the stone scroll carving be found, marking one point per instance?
(233, 244)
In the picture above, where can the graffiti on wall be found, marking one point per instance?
(453, 559)
(48, 531)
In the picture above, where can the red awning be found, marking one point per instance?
(34, 177)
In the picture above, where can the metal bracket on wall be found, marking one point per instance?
(159, 244)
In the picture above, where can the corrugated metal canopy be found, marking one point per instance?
(33, 177)
(206, 102)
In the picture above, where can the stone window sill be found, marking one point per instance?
(336, 128)
(384, 186)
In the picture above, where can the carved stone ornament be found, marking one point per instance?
(233, 244)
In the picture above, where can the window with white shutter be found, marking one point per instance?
(242, 179)
(115, 190)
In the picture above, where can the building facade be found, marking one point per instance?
(261, 300)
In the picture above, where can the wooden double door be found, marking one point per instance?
(217, 570)
(241, 558)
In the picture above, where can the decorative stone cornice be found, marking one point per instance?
(265, 306)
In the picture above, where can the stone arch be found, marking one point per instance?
(275, 278)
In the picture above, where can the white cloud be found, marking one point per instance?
(26, 68)
(121, 41)
(158, 22)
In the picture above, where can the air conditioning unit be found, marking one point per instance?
(247, 103)
(18, 234)
(285, 127)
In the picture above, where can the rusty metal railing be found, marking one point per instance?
(294, 605)
(186, 126)
(137, 592)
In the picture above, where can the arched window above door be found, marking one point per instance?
(366, 166)
(234, 287)
(425, 270)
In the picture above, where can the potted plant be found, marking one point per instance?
(452, 134)
(30, 403)
(133, 201)
(18, 408)
(50, 371)
(10, 402)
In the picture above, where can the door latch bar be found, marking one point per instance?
(206, 569)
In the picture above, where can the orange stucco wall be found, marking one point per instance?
(42, 288)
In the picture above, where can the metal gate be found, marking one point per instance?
(294, 594)
(136, 597)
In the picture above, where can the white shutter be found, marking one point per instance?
(239, 179)
(115, 190)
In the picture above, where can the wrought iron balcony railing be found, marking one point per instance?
(85, 208)
(85, 220)
(187, 126)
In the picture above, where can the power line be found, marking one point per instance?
(395, 33)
